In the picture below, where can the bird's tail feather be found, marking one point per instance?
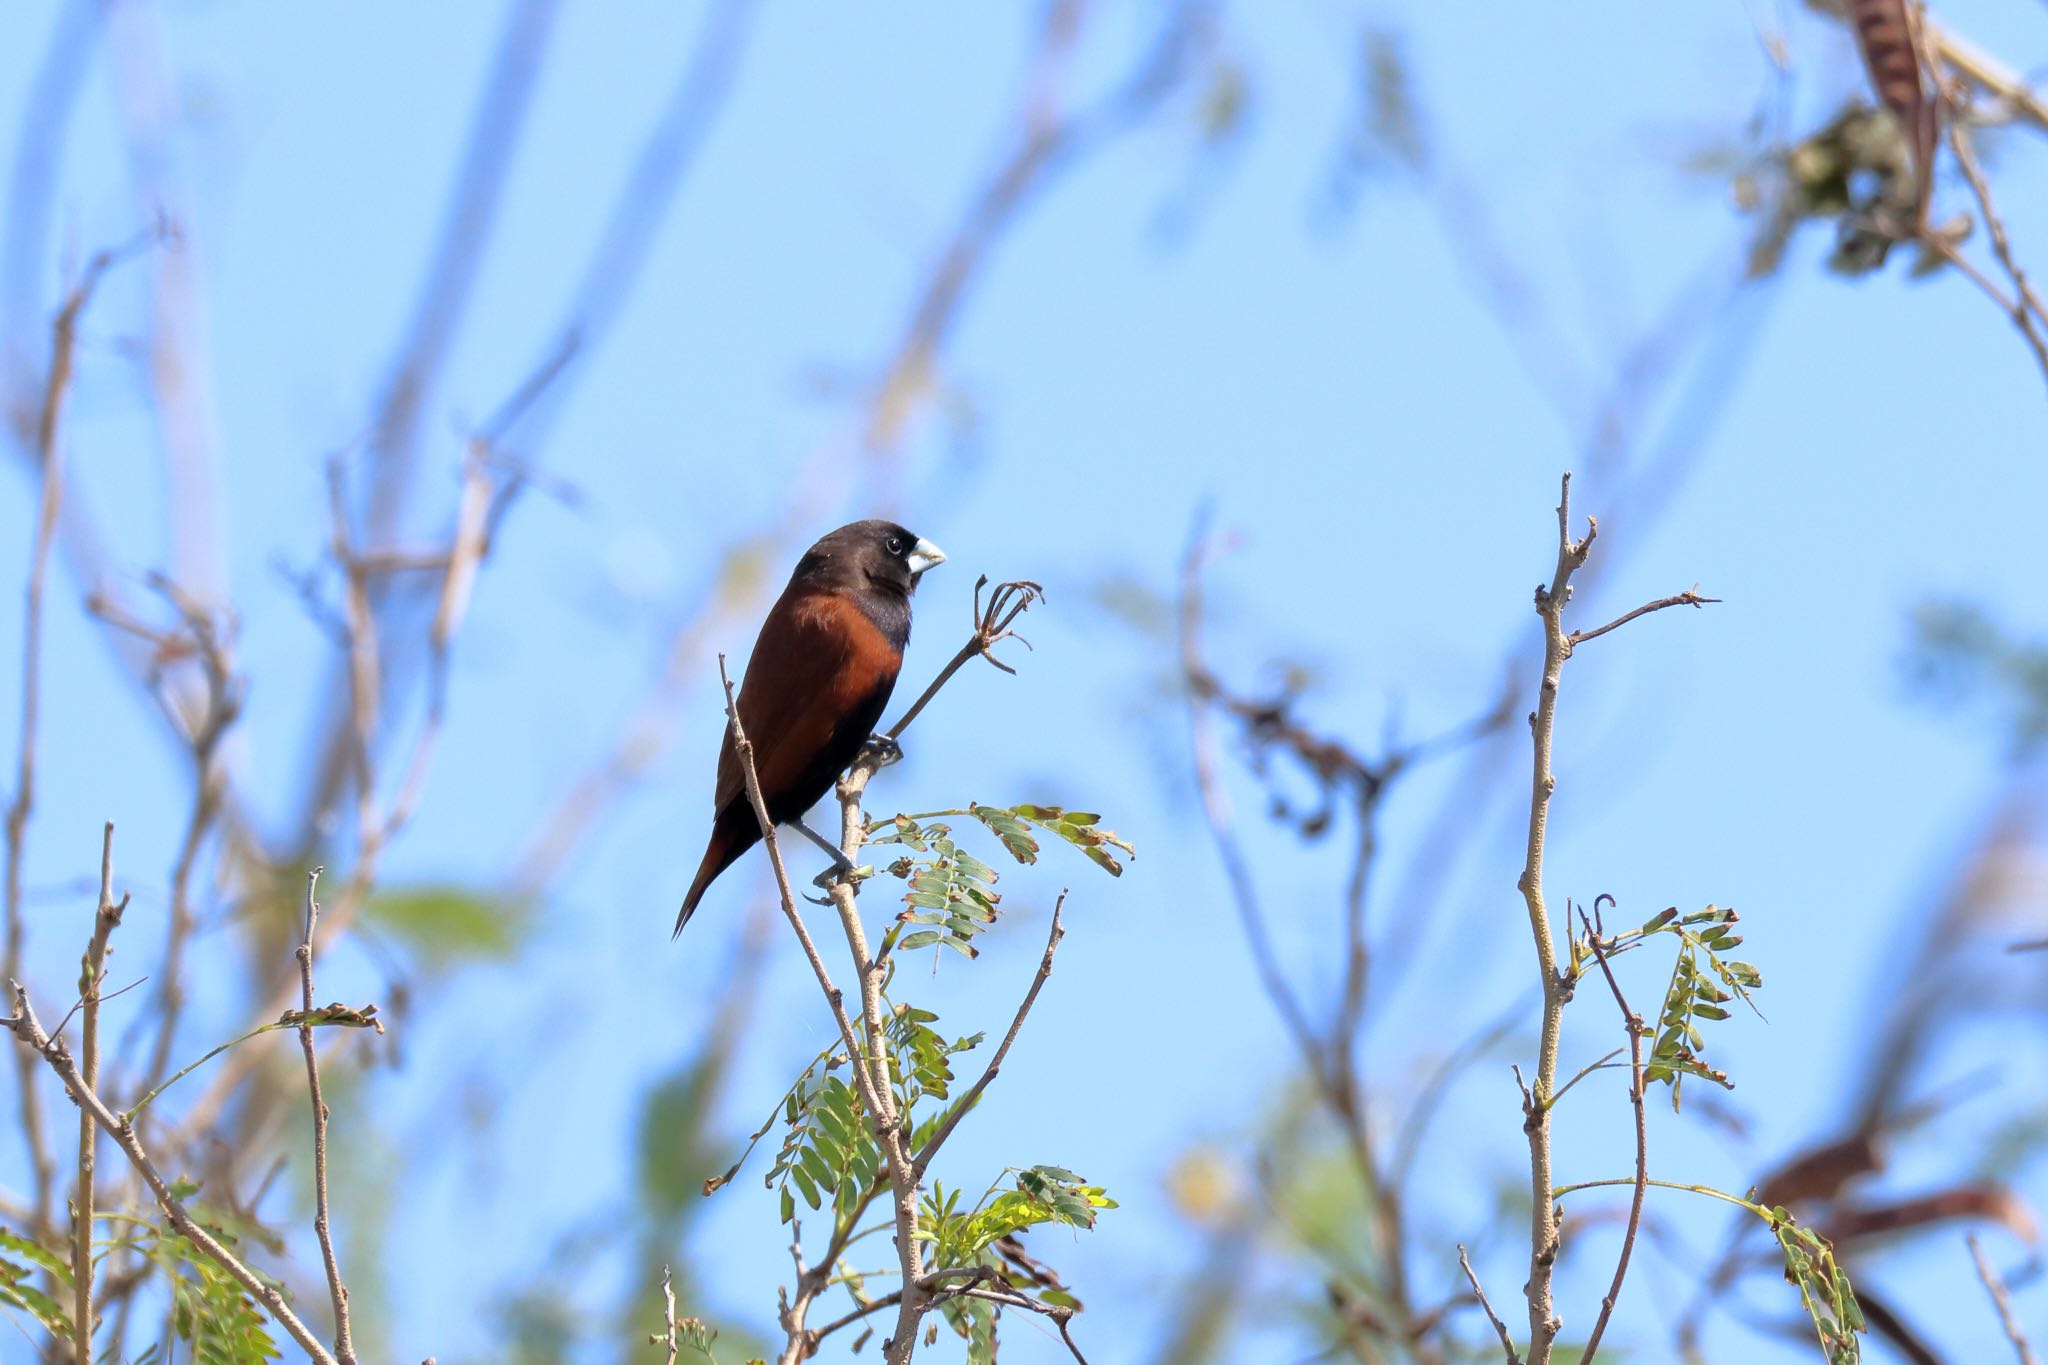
(728, 842)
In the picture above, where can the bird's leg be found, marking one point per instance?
(884, 749)
(840, 862)
(842, 869)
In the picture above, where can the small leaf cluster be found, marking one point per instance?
(216, 1318)
(921, 1060)
(952, 895)
(18, 1290)
(1824, 1288)
(1704, 982)
(210, 1310)
(828, 1150)
(965, 1239)
(1082, 829)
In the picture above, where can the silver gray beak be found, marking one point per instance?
(924, 555)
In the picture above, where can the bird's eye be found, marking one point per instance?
(895, 545)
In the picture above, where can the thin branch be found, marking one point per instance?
(1634, 1023)
(50, 463)
(668, 1314)
(497, 124)
(1544, 1236)
(25, 1027)
(995, 1063)
(2002, 1301)
(870, 1064)
(744, 748)
(337, 1292)
(873, 1083)
(1507, 1343)
(991, 627)
(886, 1121)
(1601, 1064)
(2022, 306)
(202, 639)
(1331, 1059)
(106, 918)
(1689, 598)
(2008, 86)
(1222, 826)
(376, 826)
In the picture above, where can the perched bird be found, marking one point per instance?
(821, 672)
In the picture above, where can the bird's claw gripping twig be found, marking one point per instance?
(848, 875)
(883, 750)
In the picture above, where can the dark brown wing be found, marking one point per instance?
(820, 675)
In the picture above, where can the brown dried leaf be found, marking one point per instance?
(1822, 1172)
(1991, 1203)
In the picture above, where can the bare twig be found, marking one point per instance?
(1539, 1095)
(497, 123)
(209, 643)
(1544, 1237)
(50, 462)
(991, 627)
(1689, 598)
(2002, 1301)
(1222, 826)
(25, 1027)
(2007, 85)
(834, 997)
(1507, 1343)
(887, 1122)
(106, 917)
(377, 826)
(337, 1292)
(2023, 306)
(1330, 1057)
(668, 1315)
(1634, 1023)
(995, 1063)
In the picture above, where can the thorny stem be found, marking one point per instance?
(337, 1292)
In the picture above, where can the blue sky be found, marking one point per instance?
(1334, 385)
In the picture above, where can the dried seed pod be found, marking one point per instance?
(1891, 54)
